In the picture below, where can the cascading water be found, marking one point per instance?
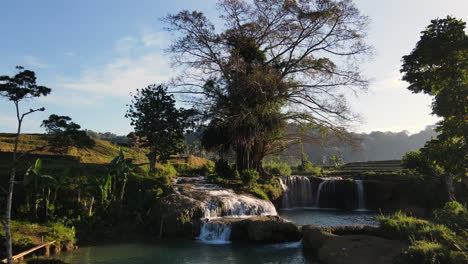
(214, 232)
(226, 203)
(220, 204)
(326, 186)
(297, 192)
(360, 194)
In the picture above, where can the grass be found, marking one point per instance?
(429, 242)
(26, 234)
(102, 152)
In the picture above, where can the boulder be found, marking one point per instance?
(265, 229)
(314, 237)
(361, 249)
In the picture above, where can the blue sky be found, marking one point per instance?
(94, 53)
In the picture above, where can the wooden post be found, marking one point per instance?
(21, 255)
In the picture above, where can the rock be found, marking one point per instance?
(265, 229)
(314, 237)
(360, 249)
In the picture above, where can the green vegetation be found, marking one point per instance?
(249, 177)
(249, 73)
(431, 242)
(64, 134)
(437, 66)
(159, 125)
(278, 169)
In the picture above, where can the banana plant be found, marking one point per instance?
(41, 184)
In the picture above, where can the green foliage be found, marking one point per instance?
(272, 188)
(250, 177)
(429, 242)
(257, 191)
(308, 167)
(159, 125)
(278, 169)
(455, 216)
(250, 73)
(60, 233)
(223, 169)
(166, 172)
(423, 252)
(438, 66)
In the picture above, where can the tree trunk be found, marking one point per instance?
(11, 183)
(152, 159)
(450, 187)
(122, 191)
(90, 210)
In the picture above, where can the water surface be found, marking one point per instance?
(329, 217)
(190, 252)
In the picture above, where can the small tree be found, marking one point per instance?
(15, 89)
(158, 123)
(64, 133)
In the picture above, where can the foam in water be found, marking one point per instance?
(215, 233)
(228, 203)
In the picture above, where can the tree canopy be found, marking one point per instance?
(159, 125)
(273, 63)
(438, 66)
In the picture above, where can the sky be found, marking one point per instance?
(93, 54)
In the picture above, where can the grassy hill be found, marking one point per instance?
(102, 152)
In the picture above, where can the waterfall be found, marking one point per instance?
(215, 232)
(297, 192)
(360, 194)
(227, 203)
(328, 187)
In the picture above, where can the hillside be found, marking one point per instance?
(102, 152)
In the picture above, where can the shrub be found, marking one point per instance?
(422, 252)
(278, 169)
(309, 168)
(167, 172)
(257, 191)
(223, 169)
(250, 177)
(453, 215)
(60, 233)
(272, 188)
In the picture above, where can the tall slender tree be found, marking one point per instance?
(17, 88)
(438, 66)
(274, 63)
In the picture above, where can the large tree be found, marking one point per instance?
(438, 66)
(17, 88)
(273, 63)
(159, 125)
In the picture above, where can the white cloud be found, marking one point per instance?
(34, 62)
(124, 75)
(134, 66)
